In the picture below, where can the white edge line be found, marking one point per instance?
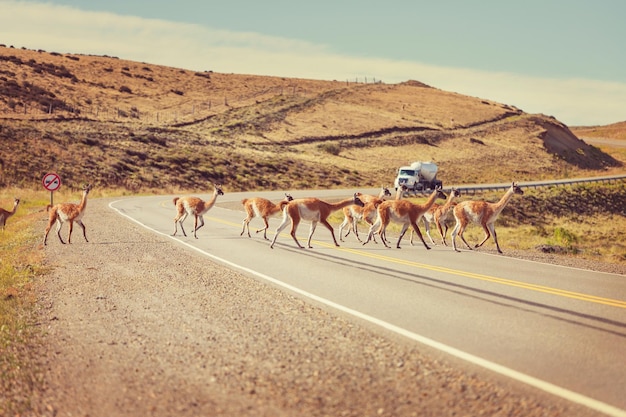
(492, 366)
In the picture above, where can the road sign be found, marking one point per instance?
(51, 181)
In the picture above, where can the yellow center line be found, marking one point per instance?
(481, 277)
(503, 281)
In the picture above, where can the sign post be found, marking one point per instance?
(51, 182)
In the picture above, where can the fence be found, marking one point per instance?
(477, 188)
(187, 111)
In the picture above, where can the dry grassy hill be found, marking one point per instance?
(146, 127)
(616, 131)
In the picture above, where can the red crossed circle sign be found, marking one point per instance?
(51, 181)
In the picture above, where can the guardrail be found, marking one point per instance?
(473, 189)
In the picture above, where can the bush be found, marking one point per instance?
(565, 237)
(331, 148)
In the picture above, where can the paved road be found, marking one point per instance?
(559, 329)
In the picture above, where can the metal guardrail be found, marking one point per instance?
(473, 189)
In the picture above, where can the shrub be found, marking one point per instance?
(331, 148)
(565, 237)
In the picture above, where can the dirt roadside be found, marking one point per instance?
(136, 326)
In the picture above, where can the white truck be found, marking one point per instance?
(418, 176)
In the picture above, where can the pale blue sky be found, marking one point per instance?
(557, 57)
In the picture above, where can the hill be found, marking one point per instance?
(119, 123)
(615, 131)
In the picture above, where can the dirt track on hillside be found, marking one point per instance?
(136, 326)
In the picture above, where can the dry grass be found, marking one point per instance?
(614, 131)
(147, 127)
(20, 263)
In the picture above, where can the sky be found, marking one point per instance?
(563, 58)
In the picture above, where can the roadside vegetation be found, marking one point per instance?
(20, 264)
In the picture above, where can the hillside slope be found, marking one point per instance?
(140, 126)
(615, 131)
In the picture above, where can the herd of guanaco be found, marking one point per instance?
(376, 211)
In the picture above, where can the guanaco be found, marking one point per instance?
(353, 213)
(313, 210)
(68, 212)
(404, 212)
(196, 207)
(263, 208)
(5, 214)
(482, 213)
(439, 214)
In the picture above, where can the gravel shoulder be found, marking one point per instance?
(136, 326)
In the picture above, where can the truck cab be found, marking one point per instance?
(406, 176)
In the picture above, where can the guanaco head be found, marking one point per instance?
(456, 193)
(288, 197)
(16, 202)
(440, 193)
(87, 188)
(386, 192)
(357, 200)
(516, 189)
(218, 189)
